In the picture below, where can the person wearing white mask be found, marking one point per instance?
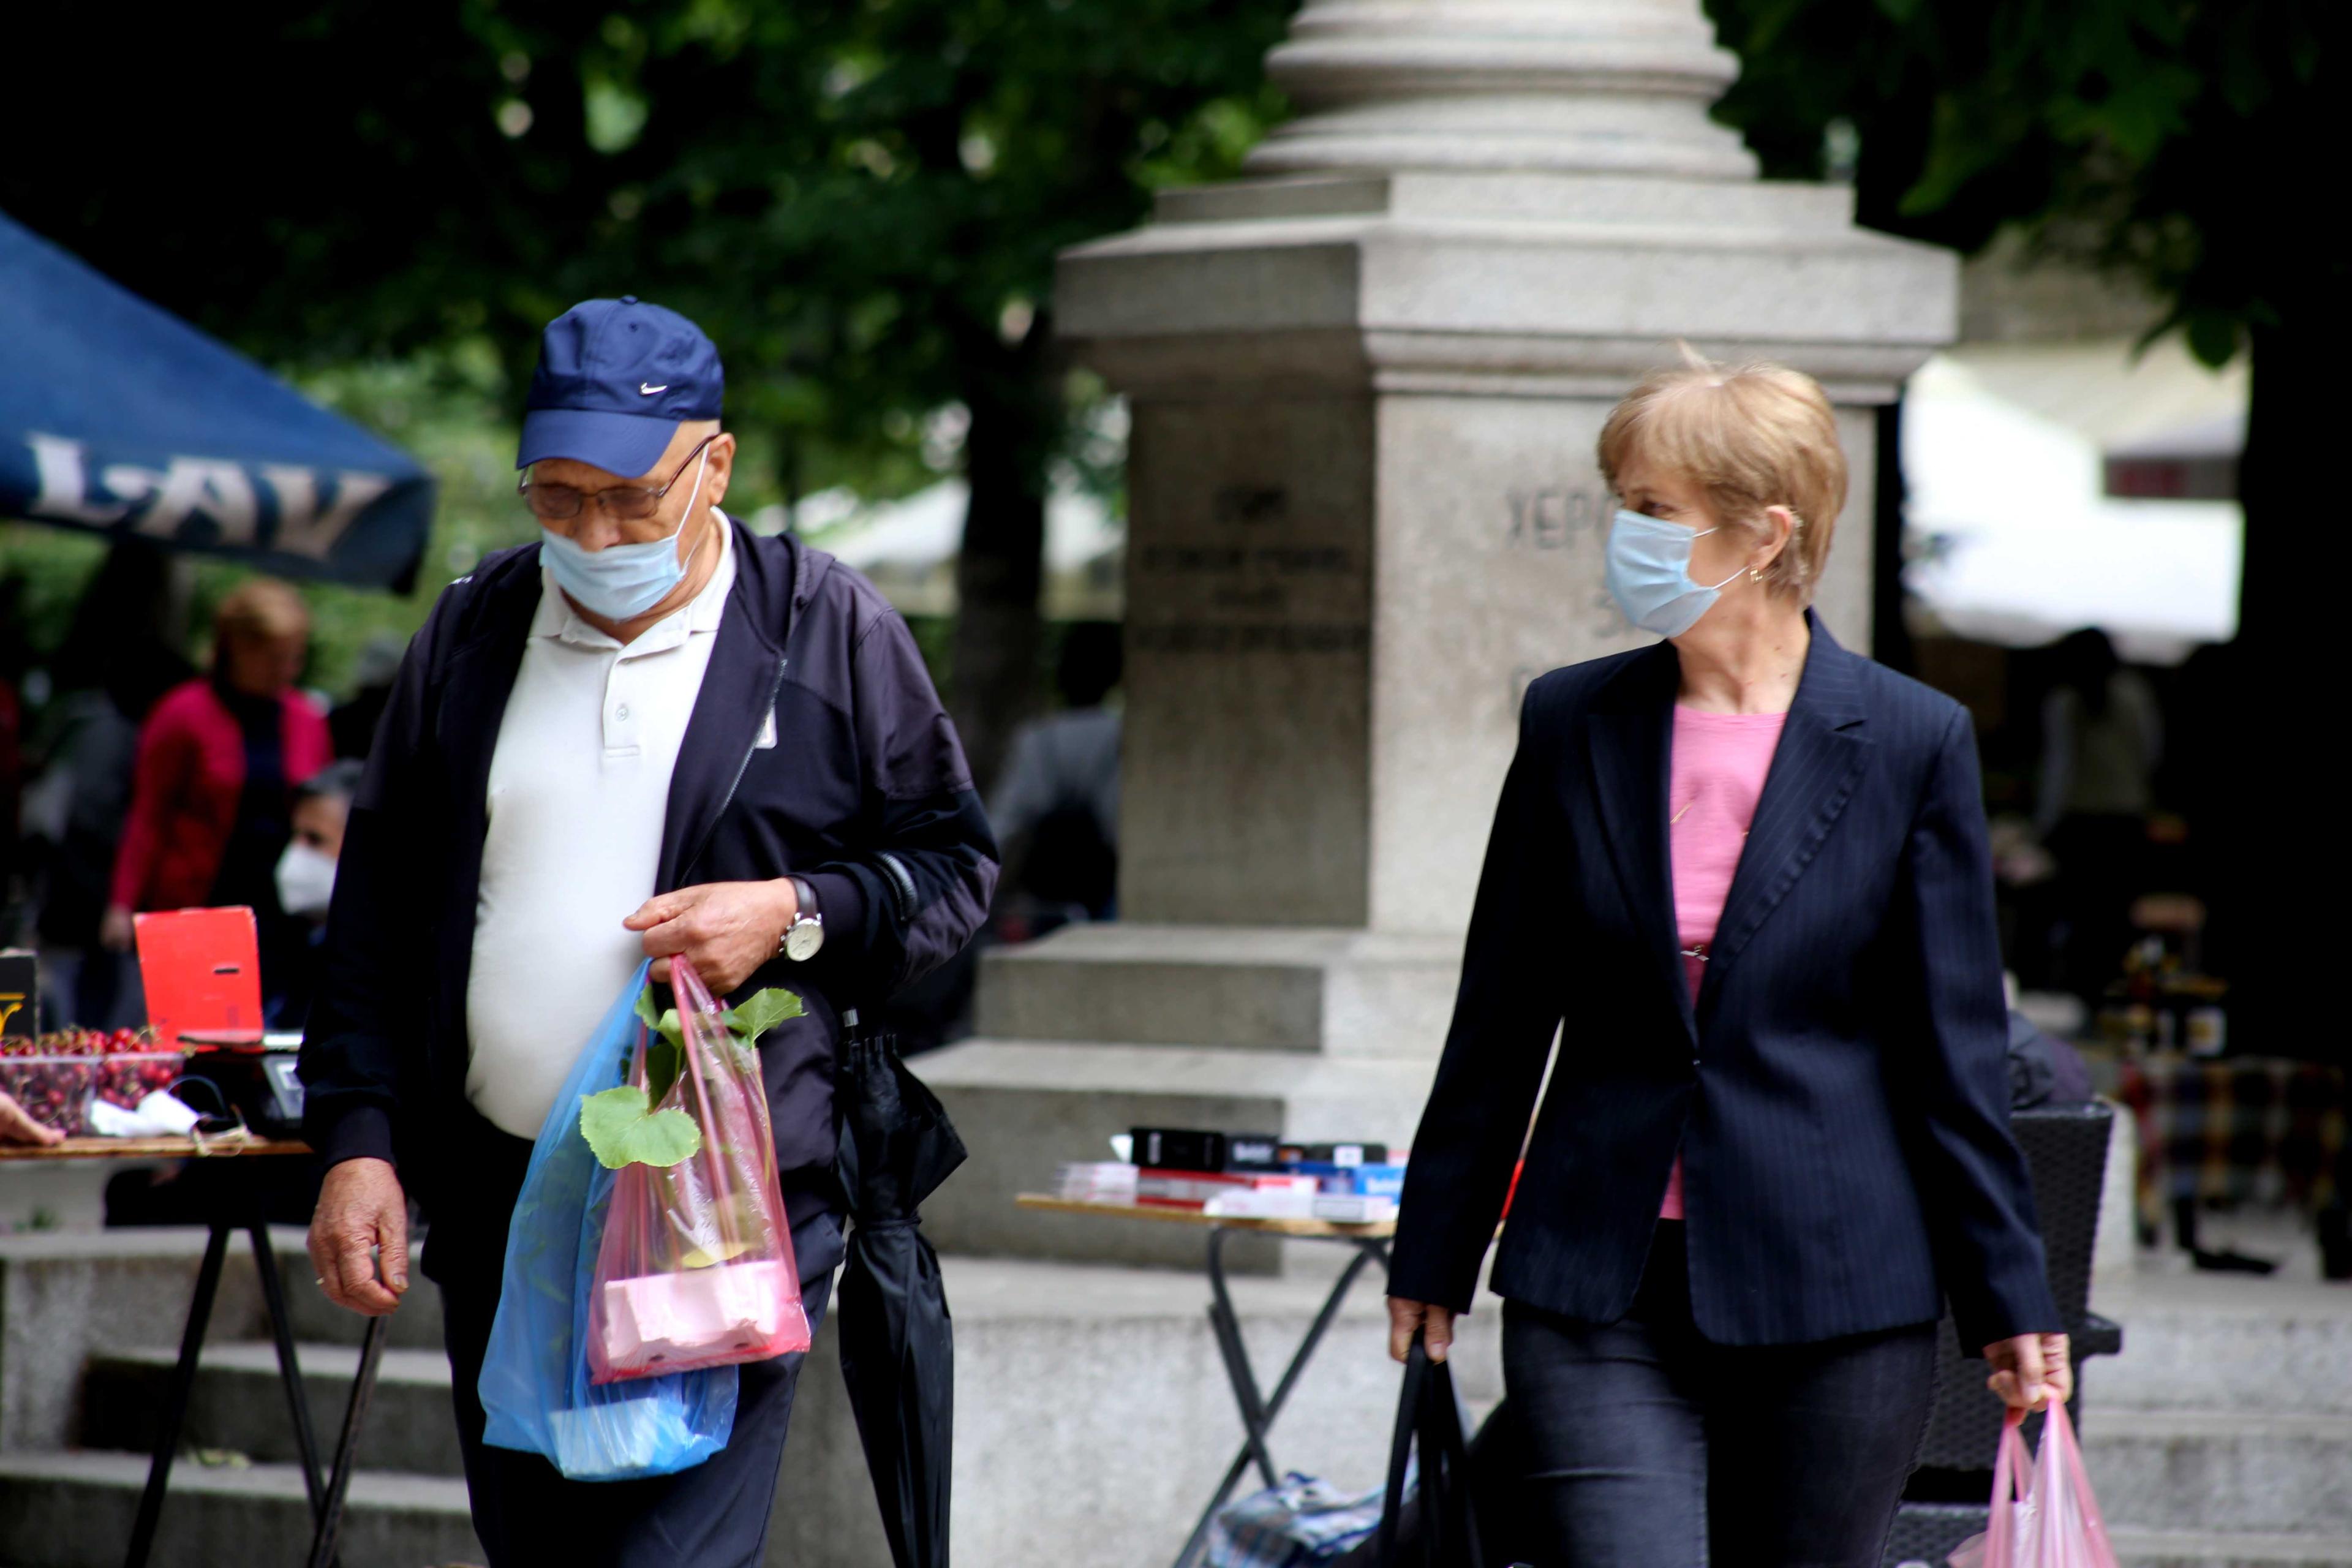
(1741, 875)
(306, 871)
(651, 733)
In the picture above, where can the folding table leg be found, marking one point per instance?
(330, 1516)
(1256, 1419)
(289, 1371)
(175, 1399)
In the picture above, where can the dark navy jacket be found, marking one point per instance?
(1840, 1089)
(865, 793)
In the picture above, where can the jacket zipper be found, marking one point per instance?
(736, 782)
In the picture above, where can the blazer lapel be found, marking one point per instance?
(1628, 736)
(1814, 770)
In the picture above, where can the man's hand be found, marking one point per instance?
(117, 931)
(1435, 1323)
(726, 929)
(2031, 1370)
(17, 1126)
(360, 1206)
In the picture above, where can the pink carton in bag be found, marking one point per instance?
(2043, 1515)
(697, 1269)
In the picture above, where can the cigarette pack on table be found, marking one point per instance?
(1245, 1202)
(1200, 1148)
(1360, 1181)
(1193, 1189)
(1341, 1209)
(1096, 1181)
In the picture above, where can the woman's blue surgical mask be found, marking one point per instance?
(620, 582)
(1649, 573)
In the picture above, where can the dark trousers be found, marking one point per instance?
(1652, 1447)
(526, 1514)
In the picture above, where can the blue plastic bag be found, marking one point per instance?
(534, 1383)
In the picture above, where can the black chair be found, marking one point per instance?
(1945, 1500)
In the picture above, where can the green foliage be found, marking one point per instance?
(622, 1129)
(861, 200)
(858, 199)
(2163, 138)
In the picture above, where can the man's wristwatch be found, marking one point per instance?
(805, 936)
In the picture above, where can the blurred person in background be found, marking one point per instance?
(75, 812)
(306, 886)
(353, 721)
(15, 658)
(1776, 1137)
(212, 796)
(2102, 737)
(1056, 809)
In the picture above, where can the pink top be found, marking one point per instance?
(1719, 763)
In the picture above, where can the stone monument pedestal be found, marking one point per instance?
(1364, 512)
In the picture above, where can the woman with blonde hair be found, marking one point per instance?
(212, 791)
(1742, 874)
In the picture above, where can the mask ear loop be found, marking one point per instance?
(691, 497)
(1712, 588)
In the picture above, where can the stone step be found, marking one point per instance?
(2285, 1473)
(75, 1510)
(2202, 1342)
(1023, 1106)
(238, 1404)
(2197, 1549)
(1092, 1412)
(1348, 993)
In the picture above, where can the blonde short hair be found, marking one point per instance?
(1750, 437)
(262, 607)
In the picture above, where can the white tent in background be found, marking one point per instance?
(909, 547)
(2006, 451)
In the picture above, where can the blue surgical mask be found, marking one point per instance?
(1649, 573)
(620, 582)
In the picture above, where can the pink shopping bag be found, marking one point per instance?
(2043, 1515)
(696, 1268)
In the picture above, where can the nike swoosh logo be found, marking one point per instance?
(646, 390)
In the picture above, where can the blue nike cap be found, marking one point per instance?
(615, 378)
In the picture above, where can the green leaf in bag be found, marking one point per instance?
(665, 1046)
(622, 1129)
(761, 1012)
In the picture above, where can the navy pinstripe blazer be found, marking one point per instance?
(1839, 1091)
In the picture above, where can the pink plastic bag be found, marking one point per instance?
(696, 1268)
(2049, 1520)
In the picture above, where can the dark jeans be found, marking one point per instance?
(526, 1514)
(1652, 1447)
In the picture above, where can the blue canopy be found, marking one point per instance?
(121, 418)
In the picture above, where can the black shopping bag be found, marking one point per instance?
(1443, 1531)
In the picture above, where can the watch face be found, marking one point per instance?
(801, 942)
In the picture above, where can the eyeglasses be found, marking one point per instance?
(625, 503)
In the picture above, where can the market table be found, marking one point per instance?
(1257, 1409)
(237, 1209)
(2260, 1129)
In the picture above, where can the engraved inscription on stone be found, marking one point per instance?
(1240, 585)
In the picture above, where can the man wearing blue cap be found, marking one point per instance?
(651, 733)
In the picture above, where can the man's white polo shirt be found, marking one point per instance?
(579, 789)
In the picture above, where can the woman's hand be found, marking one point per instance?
(2031, 1370)
(116, 930)
(1435, 1323)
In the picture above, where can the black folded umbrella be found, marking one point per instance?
(897, 1346)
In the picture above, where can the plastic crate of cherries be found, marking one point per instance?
(55, 1076)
